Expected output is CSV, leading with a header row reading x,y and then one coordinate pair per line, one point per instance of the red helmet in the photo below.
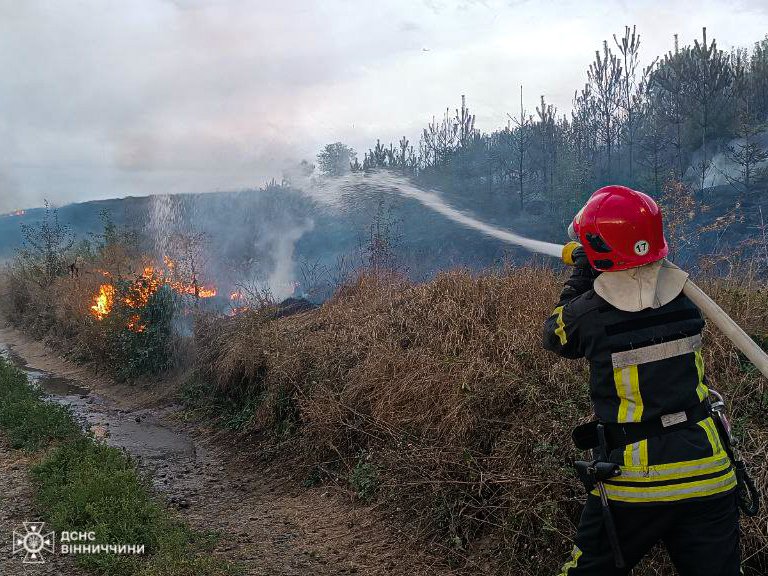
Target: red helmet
x,y
620,228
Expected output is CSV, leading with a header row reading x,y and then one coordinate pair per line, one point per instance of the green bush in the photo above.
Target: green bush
x,y
146,351
231,408
364,478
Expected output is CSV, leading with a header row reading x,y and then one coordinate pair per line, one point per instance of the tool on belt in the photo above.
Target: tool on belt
x,y
592,475
603,437
748,496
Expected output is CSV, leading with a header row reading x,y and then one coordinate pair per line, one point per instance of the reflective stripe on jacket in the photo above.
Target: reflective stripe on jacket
x,y
644,365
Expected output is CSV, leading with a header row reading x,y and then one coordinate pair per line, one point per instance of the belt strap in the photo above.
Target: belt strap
x,y
619,435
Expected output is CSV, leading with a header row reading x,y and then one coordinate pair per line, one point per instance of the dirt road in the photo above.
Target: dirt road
x,y
267,522
16,507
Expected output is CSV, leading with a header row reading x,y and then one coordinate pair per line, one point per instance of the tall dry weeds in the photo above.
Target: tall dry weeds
x,y
437,398
444,390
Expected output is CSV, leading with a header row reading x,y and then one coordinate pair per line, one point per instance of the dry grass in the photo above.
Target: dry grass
x,y
437,400
58,312
442,386
444,390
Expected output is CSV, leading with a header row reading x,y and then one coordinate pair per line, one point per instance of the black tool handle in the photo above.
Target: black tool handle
x,y
613,537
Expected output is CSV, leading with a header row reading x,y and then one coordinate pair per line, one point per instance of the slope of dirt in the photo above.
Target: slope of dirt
x,y
265,520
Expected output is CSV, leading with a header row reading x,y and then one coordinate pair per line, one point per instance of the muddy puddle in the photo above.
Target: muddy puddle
x,y
167,455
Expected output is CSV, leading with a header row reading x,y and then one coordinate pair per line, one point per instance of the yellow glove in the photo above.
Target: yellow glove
x,y
568,251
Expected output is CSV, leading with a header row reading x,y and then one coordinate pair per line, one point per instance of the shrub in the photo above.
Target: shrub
x,y
140,339
364,477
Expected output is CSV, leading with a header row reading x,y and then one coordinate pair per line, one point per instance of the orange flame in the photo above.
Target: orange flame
x,y
190,288
102,302
237,303
138,294
135,325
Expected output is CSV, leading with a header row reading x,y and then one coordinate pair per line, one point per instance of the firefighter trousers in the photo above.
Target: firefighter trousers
x,y
701,536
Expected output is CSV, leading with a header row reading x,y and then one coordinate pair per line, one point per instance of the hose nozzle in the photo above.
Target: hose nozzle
x,y
567,254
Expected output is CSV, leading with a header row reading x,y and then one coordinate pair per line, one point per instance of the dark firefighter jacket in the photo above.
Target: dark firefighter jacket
x,y
644,365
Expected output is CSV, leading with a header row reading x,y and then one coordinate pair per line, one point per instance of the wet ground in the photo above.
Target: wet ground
x,y
167,455
267,522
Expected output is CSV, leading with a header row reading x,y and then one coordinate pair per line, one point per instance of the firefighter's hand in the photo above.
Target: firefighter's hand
x,y
574,255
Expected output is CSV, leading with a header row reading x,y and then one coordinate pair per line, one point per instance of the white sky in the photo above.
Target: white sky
x,y
106,98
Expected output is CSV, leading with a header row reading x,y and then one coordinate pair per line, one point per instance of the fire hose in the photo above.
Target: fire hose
x,y
710,309
718,316
749,498
594,473
727,326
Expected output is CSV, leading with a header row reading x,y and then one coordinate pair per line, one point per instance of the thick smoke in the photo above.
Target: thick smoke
x,y
243,239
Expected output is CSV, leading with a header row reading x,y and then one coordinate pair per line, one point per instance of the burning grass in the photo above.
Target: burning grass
x,y
438,401
137,294
116,311
434,401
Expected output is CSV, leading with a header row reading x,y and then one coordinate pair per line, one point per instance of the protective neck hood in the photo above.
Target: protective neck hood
x,y
649,286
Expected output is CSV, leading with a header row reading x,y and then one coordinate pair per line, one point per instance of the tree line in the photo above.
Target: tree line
x,y
641,126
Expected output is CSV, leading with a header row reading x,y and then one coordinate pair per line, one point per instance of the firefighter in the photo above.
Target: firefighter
x,y
666,474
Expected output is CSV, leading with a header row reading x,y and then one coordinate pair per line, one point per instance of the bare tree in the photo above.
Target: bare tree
x,y
45,247
522,135
186,261
383,239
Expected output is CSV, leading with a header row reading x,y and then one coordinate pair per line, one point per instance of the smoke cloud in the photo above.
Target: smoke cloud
x,y
107,99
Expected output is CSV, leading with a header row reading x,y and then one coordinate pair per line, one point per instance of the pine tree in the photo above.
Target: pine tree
x,y
521,140
604,76
629,48
746,152
707,72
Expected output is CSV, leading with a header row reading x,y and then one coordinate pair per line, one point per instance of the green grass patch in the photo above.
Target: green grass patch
x,y
82,485
29,422
364,478
85,486
230,409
